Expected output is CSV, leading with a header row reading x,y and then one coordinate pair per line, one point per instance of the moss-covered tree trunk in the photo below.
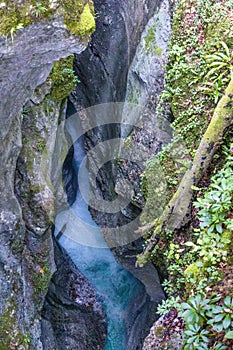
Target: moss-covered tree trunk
x,y
177,212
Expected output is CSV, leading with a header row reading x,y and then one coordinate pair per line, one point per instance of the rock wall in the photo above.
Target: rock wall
x,y
125,59
103,67
30,167
165,334
71,317
31,187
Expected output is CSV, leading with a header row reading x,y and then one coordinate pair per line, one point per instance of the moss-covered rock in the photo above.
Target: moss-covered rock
x,y
86,23
62,78
78,15
10,336
164,335
19,14
198,29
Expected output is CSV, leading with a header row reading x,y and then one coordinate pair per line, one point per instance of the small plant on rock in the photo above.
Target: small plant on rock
x,y
221,317
39,9
220,64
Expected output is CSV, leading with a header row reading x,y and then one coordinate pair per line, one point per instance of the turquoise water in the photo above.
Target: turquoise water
x,y
116,288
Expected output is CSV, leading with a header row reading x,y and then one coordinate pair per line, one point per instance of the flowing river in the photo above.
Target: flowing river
x,y
117,289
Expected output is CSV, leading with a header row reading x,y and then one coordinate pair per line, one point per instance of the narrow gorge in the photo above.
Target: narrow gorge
x,y
117,299
103,110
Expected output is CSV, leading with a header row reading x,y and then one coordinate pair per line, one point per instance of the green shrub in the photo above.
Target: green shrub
x,y
204,317
193,266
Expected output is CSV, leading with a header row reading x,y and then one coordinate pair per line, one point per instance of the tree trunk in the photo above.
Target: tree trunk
x,y
177,212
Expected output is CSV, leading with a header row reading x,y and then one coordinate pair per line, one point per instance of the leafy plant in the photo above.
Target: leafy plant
x,y
221,64
199,312
196,338
39,9
194,310
194,266
221,317
166,305
213,89
217,201
229,335
26,111
14,29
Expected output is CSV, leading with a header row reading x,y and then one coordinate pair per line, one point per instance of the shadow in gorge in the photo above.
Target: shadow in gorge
x,y
128,295
129,308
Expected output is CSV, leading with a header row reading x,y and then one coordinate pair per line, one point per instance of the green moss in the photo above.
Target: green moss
x,y
221,116
86,23
134,96
128,142
9,331
150,42
78,15
159,180
193,270
158,50
150,39
41,280
63,79
227,234
142,259
16,16
41,145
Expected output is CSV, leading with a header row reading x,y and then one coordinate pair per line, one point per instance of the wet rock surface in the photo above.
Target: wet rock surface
x,y
72,318
115,67
30,180
166,333
103,67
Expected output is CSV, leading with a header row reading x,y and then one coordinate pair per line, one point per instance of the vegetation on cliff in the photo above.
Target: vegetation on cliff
x,y
63,79
193,235
77,15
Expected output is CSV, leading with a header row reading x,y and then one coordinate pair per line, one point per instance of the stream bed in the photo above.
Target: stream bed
x,y
120,293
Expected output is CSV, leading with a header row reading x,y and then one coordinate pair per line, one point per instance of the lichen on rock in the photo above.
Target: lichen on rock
x,y
10,335
164,334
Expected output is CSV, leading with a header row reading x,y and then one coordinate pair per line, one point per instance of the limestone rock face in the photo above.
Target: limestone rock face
x,y
122,63
31,186
125,60
146,76
26,63
103,67
145,83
